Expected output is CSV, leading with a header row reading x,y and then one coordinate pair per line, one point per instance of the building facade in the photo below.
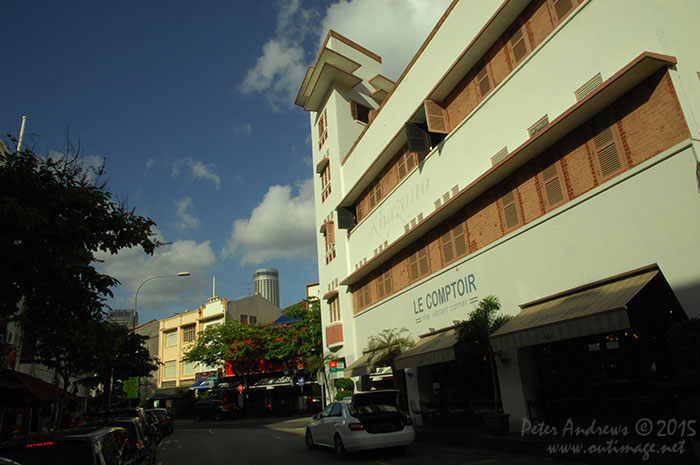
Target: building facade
x,y
544,152
266,282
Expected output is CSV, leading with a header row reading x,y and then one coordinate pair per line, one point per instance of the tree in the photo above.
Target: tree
x,y
55,215
297,343
473,338
384,347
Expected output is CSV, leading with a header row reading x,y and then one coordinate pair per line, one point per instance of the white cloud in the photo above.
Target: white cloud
x,y
132,266
281,226
197,170
396,40
246,129
183,211
393,29
150,163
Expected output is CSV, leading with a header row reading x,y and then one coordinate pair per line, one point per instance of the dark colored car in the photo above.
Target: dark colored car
x,y
139,449
166,423
214,409
149,427
87,445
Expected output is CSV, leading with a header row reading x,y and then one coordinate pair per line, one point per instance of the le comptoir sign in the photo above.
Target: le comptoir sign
x,y
444,299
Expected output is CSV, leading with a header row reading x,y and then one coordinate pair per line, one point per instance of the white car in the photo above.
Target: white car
x,y
368,420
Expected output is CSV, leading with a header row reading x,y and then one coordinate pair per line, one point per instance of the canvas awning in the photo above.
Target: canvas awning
x,y
431,349
20,389
594,309
359,367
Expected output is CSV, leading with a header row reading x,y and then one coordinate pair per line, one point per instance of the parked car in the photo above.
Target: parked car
x,y
214,409
4,461
88,445
150,428
139,449
368,420
166,423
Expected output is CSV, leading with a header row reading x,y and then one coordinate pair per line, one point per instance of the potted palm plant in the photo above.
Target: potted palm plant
x,y
473,340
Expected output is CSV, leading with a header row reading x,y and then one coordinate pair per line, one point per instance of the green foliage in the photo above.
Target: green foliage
x,y
384,347
344,388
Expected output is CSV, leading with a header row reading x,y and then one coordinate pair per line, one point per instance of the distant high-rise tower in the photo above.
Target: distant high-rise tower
x,y
266,282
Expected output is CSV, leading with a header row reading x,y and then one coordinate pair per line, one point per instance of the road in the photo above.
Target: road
x,y
281,442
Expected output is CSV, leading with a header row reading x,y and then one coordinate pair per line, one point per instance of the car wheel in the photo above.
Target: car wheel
x,y
339,447
309,439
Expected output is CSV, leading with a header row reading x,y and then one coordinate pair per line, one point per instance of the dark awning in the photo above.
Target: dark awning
x,y
431,349
18,389
169,393
595,309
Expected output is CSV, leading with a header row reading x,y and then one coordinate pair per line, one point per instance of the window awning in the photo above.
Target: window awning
x,y
595,309
434,348
359,367
204,384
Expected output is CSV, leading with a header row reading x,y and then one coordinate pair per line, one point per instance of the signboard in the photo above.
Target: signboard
x,y
240,388
300,381
336,366
131,387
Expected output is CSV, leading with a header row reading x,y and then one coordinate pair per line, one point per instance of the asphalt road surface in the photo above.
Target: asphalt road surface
x,y
281,442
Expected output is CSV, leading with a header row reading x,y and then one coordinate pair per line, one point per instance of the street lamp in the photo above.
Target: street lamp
x,y
136,296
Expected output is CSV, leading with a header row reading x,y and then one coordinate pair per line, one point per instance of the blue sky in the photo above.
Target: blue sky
x,y
190,106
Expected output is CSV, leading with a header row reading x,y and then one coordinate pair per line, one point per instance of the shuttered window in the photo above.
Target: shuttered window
x,y
418,264
375,195
334,309
483,80
561,8
454,243
384,287
509,208
518,45
552,181
330,241
436,117
363,297
359,112
608,157
406,162
322,129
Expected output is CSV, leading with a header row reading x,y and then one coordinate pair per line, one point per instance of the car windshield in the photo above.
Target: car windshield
x,y
51,452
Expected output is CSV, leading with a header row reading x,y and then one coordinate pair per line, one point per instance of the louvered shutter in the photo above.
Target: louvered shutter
x,y
562,8
607,154
436,117
518,45
353,109
417,138
423,266
483,80
447,252
413,267
330,233
346,220
510,209
553,192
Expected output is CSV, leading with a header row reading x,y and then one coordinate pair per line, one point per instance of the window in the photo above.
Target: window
x,y
363,297
509,208
407,161
189,333
252,319
334,308
551,178
326,182
454,243
359,112
518,45
561,8
436,117
244,319
322,129
384,284
330,241
418,264
375,194
188,368
170,338
604,143
483,79
169,369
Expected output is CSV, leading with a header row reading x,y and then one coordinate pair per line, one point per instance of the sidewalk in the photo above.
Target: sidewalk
x,y
455,435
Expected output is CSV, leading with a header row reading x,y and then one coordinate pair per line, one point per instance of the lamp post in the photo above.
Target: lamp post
x,y
136,296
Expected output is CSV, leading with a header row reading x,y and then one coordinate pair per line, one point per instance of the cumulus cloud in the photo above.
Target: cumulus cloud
x,y
280,68
197,170
132,266
183,209
396,40
281,226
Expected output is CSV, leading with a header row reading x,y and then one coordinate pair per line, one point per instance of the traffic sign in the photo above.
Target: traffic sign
x,y
300,381
240,388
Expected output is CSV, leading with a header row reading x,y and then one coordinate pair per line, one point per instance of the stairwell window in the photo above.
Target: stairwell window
x,y
330,241
326,182
359,112
334,309
322,129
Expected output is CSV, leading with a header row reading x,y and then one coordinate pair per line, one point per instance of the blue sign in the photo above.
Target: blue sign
x,y
300,381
